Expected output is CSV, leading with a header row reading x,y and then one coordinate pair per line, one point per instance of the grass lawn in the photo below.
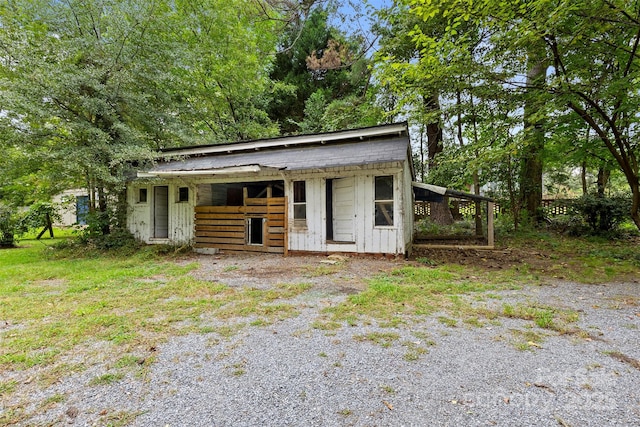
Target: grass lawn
x,y
50,303
55,304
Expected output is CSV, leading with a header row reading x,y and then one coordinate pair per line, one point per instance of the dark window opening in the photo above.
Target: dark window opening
x,y
261,190
234,196
233,193
142,195
183,194
255,231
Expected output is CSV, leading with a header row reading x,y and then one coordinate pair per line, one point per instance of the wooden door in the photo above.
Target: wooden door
x,y
161,212
343,204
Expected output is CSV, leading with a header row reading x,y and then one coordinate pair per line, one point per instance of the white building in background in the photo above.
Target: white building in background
x,y
73,207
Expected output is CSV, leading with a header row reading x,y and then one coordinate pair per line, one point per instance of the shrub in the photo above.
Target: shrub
x,y
36,216
601,214
101,233
10,226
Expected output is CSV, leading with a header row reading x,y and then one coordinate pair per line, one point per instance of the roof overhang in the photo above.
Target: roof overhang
x,y
201,172
443,191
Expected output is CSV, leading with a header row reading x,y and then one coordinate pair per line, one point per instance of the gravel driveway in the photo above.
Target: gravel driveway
x,y
292,374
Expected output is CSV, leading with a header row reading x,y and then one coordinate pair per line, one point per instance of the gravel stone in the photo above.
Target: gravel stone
x,y
290,374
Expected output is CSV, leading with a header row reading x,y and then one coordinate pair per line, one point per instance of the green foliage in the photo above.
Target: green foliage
x,y
427,227
92,237
90,88
517,89
10,226
602,214
36,216
318,65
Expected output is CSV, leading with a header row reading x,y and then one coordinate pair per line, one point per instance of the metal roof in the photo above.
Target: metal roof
x,y
291,140
350,151
422,191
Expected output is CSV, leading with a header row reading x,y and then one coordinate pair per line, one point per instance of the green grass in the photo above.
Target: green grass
x,y
7,387
413,291
383,339
107,379
584,259
57,303
544,317
53,302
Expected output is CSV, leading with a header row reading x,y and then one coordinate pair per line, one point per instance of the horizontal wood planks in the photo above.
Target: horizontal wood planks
x,y
225,227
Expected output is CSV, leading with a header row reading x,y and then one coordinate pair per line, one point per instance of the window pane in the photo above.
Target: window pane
x,y
384,213
384,187
183,194
299,192
300,211
142,197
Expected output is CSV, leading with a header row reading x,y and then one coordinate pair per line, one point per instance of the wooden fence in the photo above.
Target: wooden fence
x,y
467,208
230,227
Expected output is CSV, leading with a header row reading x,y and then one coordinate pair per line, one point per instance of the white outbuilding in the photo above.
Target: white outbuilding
x,y
348,191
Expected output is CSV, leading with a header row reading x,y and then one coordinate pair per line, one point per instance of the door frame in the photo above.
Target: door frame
x,y
157,202
330,202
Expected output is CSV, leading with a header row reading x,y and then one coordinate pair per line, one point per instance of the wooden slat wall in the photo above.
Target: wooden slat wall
x,y
224,227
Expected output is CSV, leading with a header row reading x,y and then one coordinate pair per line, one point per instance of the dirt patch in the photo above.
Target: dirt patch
x,y
342,275
495,259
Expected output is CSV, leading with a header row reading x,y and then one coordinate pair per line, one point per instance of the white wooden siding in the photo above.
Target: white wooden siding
x,y
180,214
310,236
66,202
367,237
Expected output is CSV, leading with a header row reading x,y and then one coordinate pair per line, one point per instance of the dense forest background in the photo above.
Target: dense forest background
x,y
518,100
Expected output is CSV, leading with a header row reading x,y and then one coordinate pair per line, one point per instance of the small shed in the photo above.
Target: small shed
x,y
348,191
471,218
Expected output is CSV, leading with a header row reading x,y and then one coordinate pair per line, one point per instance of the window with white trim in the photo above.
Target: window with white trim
x,y
300,202
384,201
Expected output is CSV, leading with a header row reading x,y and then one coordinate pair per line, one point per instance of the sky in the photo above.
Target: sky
x,y
356,17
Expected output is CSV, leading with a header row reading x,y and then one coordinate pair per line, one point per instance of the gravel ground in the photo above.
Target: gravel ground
x,y
290,374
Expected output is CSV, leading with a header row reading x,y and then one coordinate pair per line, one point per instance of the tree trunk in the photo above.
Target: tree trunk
x,y
102,211
635,204
434,130
603,179
422,173
583,178
531,171
121,209
478,214
440,213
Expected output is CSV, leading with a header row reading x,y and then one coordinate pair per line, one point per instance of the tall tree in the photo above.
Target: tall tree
x,y
591,46
90,87
534,134
318,64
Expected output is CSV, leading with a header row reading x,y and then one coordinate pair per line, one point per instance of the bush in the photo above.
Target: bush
x,y
602,215
427,227
36,217
101,233
10,226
